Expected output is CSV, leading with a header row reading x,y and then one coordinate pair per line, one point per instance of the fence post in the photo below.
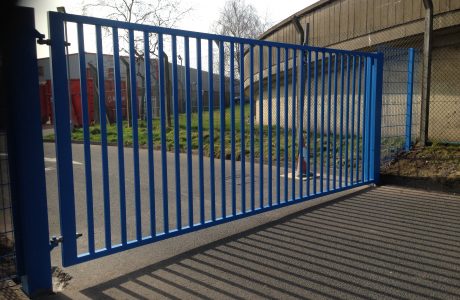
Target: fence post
x,y
410,88
26,155
377,81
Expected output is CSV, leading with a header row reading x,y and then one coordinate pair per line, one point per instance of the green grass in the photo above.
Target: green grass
x,y
112,136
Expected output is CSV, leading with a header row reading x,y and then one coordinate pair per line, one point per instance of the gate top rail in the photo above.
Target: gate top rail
x,y
198,35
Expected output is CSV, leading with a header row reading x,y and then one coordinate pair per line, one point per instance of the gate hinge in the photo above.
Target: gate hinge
x,y
56,240
42,41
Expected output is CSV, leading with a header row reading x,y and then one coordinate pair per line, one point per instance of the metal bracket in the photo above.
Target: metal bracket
x,y
55,241
42,41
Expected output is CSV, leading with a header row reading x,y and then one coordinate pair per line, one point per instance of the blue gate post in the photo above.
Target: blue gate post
x,y
28,185
410,87
376,114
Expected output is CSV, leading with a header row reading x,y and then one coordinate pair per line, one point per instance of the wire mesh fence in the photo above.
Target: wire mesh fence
x,y
7,239
444,109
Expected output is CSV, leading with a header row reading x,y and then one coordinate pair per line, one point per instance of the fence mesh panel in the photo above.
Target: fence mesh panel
x,y
7,250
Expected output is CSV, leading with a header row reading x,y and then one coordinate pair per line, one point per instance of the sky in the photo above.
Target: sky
x,y
201,18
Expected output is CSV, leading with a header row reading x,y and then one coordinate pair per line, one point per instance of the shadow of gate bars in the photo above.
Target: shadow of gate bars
x,y
333,126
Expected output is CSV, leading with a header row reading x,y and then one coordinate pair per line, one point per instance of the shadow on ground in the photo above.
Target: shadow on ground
x,y
384,242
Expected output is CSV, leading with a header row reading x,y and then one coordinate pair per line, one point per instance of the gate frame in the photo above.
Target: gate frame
x,y
63,142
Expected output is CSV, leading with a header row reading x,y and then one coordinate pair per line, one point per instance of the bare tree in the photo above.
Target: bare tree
x,y
163,13
239,19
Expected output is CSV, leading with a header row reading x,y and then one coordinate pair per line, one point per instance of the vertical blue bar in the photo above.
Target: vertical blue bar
x,y
328,147
278,123
261,127
86,138
367,110
308,121
342,75
293,129
321,167
242,132
286,119
148,98
105,163
175,94
134,108
211,130
120,144
363,144
270,133
377,70
200,129
222,127
315,123
410,88
352,149
164,168
347,113
251,122
232,124
301,116
358,137
334,156
63,141
188,112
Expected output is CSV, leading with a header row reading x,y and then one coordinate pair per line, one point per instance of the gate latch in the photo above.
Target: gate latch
x,y
42,41
56,240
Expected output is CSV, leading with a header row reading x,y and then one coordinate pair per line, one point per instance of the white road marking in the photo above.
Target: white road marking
x,y
53,159
49,169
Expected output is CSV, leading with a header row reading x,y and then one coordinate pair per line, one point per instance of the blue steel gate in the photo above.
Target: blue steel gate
x,y
316,112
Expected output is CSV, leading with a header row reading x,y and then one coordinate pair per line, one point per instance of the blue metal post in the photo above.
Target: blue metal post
x,y
293,123
164,168
358,143
301,117
367,119
148,98
134,109
62,140
175,94
328,147
353,120
308,121
200,129
321,138
410,87
278,121
251,123
121,155
25,153
377,120
104,152
222,129
286,119
211,130
242,132
347,123
270,131
261,127
334,156
188,112
232,125
315,122
86,138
